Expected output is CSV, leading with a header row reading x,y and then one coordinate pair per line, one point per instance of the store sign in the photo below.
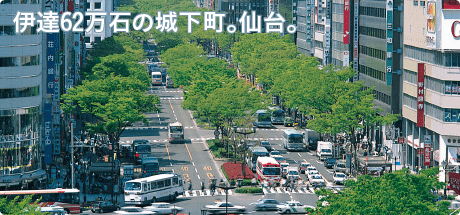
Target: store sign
x,y
431,25
454,181
346,58
421,95
389,55
48,134
355,39
450,4
346,22
420,151
52,55
401,140
427,156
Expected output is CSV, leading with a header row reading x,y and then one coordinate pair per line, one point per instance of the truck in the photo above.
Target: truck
x,y
258,151
324,150
311,139
150,166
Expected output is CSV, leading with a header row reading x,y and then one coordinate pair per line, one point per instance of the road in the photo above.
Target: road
x,y
193,161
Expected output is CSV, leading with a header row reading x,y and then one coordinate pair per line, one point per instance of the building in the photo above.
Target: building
x,y
99,6
431,100
21,91
233,9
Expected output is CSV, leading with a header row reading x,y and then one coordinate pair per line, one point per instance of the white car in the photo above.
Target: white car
x,y
133,210
162,208
220,207
309,169
274,152
317,180
292,173
293,207
313,172
339,178
279,158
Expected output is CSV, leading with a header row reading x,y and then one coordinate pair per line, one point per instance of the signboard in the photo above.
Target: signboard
x,y
420,151
431,25
312,21
327,41
421,95
427,156
401,140
355,38
451,4
454,181
346,22
389,54
346,58
454,155
52,47
48,133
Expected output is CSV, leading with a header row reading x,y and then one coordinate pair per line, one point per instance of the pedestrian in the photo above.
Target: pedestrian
x,y
292,186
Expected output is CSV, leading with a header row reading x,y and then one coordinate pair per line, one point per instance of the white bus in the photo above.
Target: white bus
x,y
292,140
268,169
157,78
143,191
175,132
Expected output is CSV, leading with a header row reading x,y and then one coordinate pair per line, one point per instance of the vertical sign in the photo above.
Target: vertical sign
x,y
421,95
327,40
312,50
355,38
346,58
52,44
389,57
427,157
431,25
48,133
346,22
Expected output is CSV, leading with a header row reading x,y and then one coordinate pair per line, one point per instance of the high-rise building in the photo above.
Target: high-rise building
x,y
106,6
21,90
431,93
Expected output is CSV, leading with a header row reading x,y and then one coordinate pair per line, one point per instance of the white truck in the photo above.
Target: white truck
x,y
324,150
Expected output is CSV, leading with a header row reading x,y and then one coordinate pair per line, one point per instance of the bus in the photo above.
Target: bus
x,y
157,78
175,132
268,169
256,152
277,116
263,119
69,199
143,191
150,166
292,140
141,148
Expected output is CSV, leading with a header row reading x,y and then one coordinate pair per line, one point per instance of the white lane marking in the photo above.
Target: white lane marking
x,y
278,190
310,153
265,190
288,152
193,163
299,154
295,161
230,192
208,192
173,170
196,170
319,162
187,194
194,193
170,163
199,177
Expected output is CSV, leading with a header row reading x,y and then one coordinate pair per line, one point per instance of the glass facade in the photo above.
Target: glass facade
x,y
19,140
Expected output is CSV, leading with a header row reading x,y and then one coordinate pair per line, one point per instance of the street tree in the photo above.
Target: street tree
x,y
16,206
396,193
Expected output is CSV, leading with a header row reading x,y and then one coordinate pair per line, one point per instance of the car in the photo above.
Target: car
x,y
310,168
266,204
311,173
288,122
317,180
340,166
279,158
303,166
220,207
329,163
339,177
267,145
284,171
133,210
103,207
274,152
292,173
291,207
162,208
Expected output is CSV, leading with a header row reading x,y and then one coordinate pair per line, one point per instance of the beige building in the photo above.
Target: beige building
x,y
432,47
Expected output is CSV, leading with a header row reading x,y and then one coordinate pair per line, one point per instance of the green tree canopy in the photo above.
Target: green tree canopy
x,y
15,206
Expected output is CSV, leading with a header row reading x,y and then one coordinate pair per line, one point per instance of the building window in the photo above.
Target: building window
x,y
97,39
422,3
20,2
372,11
373,32
87,39
376,53
97,5
19,92
88,5
415,3
380,75
20,61
9,30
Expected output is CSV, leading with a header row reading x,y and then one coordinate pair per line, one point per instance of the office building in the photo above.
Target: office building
x,y
99,6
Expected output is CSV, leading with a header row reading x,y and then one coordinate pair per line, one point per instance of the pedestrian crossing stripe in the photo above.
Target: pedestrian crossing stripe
x,y
265,138
206,192
302,190
151,127
176,98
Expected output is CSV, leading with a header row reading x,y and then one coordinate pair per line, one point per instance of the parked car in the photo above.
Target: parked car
x,y
317,180
339,177
303,166
266,204
102,207
133,210
288,122
162,208
329,163
293,207
292,173
340,166
274,152
220,207
310,168
267,145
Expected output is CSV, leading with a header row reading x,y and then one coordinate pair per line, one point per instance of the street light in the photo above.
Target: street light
x,y
245,133
445,165
226,188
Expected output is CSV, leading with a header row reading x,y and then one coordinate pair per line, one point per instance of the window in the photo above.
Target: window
x,y
88,5
19,92
422,3
167,182
372,11
20,61
160,184
376,53
97,39
373,32
87,39
175,181
377,74
97,5
415,3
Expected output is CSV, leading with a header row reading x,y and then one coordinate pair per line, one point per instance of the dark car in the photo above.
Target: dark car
x,y
266,145
102,207
329,163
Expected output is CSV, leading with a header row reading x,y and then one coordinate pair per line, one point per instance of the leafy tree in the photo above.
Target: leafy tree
x,y
394,193
19,207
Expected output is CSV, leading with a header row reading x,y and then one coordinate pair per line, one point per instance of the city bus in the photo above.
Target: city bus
x,y
263,119
157,78
175,132
268,169
292,140
277,116
141,148
69,199
143,191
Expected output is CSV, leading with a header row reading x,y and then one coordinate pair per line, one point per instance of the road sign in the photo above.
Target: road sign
x,y
401,140
216,133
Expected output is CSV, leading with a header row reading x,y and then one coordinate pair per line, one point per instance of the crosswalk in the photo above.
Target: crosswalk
x,y
175,98
153,127
205,192
220,192
301,190
255,138
165,140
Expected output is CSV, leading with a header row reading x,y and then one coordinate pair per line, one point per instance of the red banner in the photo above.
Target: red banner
x,y
346,21
427,156
450,4
454,181
421,95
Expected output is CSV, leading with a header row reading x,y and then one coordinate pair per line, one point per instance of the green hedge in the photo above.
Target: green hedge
x,y
249,190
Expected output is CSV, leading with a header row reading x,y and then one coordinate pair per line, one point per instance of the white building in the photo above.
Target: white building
x,y
99,6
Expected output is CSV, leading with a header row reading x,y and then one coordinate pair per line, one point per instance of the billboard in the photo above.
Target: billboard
x,y
421,95
454,155
52,55
450,4
355,39
454,181
427,154
346,58
431,25
389,54
346,22
48,133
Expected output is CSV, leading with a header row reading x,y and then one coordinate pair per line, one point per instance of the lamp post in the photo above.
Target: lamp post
x,y
445,165
245,133
226,188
